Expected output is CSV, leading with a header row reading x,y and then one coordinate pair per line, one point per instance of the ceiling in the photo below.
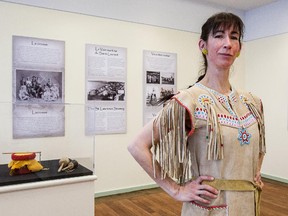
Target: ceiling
x,y
239,4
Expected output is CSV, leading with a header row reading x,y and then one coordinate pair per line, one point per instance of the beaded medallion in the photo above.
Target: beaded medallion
x,y
244,136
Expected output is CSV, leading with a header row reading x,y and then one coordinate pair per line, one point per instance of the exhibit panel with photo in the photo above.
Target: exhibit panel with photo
x,y
38,87
105,89
159,69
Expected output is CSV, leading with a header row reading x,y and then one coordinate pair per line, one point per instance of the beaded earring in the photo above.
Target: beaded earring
x,y
204,51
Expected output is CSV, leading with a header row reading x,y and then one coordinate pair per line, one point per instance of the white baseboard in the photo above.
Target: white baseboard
x,y
125,190
274,178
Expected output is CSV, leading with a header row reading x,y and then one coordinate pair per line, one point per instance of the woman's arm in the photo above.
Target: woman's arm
x,y
140,148
257,178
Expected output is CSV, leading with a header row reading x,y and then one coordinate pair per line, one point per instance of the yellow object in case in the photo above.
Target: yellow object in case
x,y
22,166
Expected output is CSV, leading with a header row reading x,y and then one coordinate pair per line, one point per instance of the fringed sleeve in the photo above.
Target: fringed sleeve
x,y
170,149
256,108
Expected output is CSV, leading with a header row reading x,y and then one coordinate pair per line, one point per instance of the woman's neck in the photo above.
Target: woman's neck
x,y
218,81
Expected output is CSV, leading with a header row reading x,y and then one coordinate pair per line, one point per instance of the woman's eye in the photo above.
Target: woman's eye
x,y
234,38
218,36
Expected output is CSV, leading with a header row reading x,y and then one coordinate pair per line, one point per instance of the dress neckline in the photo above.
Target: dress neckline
x,y
230,95
226,100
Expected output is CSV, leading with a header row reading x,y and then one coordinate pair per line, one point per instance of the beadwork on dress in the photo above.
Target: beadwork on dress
x,y
203,99
244,136
228,120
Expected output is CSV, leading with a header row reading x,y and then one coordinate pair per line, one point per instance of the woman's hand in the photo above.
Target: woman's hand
x,y
196,191
258,180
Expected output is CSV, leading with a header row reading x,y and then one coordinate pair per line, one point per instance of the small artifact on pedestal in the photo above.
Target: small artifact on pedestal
x,y
67,165
63,162
23,163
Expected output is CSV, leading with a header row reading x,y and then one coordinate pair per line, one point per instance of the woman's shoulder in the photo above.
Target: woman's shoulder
x,y
192,92
250,97
189,96
184,98
248,94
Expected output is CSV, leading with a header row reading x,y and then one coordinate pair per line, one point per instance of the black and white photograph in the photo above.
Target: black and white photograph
x,y
167,78
165,91
152,95
106,91
152,77
38,86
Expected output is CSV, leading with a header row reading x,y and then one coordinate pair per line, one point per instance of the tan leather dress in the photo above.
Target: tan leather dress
x,y
223,138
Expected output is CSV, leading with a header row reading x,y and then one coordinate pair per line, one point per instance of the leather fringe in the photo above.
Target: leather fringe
x,y
171,149
259,116
214,138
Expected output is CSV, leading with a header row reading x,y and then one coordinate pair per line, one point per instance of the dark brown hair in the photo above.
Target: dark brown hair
x,y
216,22
213,24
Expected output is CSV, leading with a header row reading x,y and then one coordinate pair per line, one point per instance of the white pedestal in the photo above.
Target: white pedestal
x,y
65,197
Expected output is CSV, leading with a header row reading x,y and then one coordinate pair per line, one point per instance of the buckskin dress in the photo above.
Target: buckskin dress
x,y
202,132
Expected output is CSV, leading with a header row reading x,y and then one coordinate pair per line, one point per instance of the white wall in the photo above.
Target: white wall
x,y
266,74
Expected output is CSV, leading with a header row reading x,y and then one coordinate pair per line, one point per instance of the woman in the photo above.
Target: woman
x,y
208,140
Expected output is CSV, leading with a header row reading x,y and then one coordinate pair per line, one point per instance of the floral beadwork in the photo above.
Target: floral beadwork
x,y
244,136
203,99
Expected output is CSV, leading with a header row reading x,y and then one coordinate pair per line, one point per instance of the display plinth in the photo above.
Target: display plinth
x,y
68,196
47,192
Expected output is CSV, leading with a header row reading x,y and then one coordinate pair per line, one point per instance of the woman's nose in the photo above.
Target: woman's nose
x,y
227,42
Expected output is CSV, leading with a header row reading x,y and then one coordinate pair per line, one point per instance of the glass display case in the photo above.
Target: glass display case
x,y
49,133
52,132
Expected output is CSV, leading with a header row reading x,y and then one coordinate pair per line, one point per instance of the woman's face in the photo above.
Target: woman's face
x,y
223,47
